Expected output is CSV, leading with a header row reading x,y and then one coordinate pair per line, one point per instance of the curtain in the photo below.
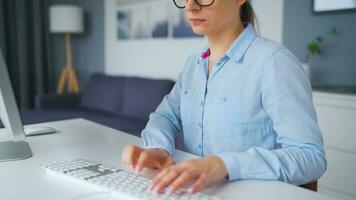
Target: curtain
x,y
24,39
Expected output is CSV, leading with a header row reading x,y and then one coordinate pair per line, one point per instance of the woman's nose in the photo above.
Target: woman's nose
x,y
191,5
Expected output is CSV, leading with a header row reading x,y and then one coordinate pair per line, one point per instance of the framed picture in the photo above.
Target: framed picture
x,y
322,6
123,24
158,20
139,25
151,20
181,27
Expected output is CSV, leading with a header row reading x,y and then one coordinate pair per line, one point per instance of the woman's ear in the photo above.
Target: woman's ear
x,y
240,2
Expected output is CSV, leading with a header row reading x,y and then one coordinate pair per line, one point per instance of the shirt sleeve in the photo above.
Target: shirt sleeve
x,y
165,123
287,99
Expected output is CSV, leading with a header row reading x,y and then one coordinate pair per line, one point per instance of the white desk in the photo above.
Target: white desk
x,y
80,138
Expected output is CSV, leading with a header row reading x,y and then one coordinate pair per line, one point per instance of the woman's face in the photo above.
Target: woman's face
x,y
214,19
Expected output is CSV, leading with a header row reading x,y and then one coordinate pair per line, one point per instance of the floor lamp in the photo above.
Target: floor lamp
x,y
67,19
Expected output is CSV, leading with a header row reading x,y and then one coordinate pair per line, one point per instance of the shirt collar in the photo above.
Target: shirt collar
x,y
239,46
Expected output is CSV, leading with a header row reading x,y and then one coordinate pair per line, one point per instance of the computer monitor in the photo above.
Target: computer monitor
x,y
14,148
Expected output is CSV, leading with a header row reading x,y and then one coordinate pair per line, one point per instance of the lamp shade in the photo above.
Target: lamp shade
x,y
66,19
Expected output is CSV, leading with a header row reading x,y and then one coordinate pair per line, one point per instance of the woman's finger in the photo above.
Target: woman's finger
x,y
142,161
156,179
129,155
182,180
199,184
167,179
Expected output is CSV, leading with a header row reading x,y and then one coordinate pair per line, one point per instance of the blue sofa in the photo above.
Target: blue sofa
x,y
119,102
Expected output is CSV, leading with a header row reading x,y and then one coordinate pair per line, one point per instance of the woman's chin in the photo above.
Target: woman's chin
x,y
199,32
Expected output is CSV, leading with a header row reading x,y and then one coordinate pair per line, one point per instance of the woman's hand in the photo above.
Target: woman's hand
x,y
138,158
202,171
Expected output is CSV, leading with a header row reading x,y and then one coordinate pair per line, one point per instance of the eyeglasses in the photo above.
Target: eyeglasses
x,y
182,3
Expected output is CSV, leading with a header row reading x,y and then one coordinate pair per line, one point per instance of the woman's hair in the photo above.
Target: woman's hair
x,y
247,14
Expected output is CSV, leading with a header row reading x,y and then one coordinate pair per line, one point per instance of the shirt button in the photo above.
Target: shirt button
x,y
199,146
200,125
202,103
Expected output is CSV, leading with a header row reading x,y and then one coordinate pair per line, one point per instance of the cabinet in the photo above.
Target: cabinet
x,y
337,120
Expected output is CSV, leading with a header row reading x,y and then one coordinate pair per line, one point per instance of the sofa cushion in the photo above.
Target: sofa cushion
x,y
103,93
141,96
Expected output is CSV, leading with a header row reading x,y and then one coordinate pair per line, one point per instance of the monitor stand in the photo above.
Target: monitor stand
x,y
9,115
14,150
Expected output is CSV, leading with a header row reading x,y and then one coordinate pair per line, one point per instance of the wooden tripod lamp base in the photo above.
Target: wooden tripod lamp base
x,y
68,74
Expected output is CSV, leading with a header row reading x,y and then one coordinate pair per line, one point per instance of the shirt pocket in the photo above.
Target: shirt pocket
x,y
186,105
224,109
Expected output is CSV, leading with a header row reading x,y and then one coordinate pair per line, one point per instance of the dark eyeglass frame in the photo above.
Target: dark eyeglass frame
x,y
196,1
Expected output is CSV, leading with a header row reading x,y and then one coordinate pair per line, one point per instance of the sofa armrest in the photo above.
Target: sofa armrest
x,y
53,101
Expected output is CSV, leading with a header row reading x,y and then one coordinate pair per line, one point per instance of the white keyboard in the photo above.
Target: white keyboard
x,y
120,183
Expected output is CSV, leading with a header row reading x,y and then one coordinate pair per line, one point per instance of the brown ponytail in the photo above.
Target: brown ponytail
x,y
247,14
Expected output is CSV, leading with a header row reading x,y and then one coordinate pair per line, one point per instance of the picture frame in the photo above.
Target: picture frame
x,y
333,6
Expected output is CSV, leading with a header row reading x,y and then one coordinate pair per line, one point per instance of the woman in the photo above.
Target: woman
x,y
243,104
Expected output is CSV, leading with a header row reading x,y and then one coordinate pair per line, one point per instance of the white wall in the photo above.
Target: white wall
x,y
165,58
270,18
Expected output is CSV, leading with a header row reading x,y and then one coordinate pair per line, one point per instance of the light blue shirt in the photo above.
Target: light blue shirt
x,y
254,111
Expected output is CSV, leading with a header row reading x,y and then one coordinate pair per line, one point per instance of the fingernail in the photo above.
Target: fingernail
x,y
150,186
156,189
190,190
137,170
